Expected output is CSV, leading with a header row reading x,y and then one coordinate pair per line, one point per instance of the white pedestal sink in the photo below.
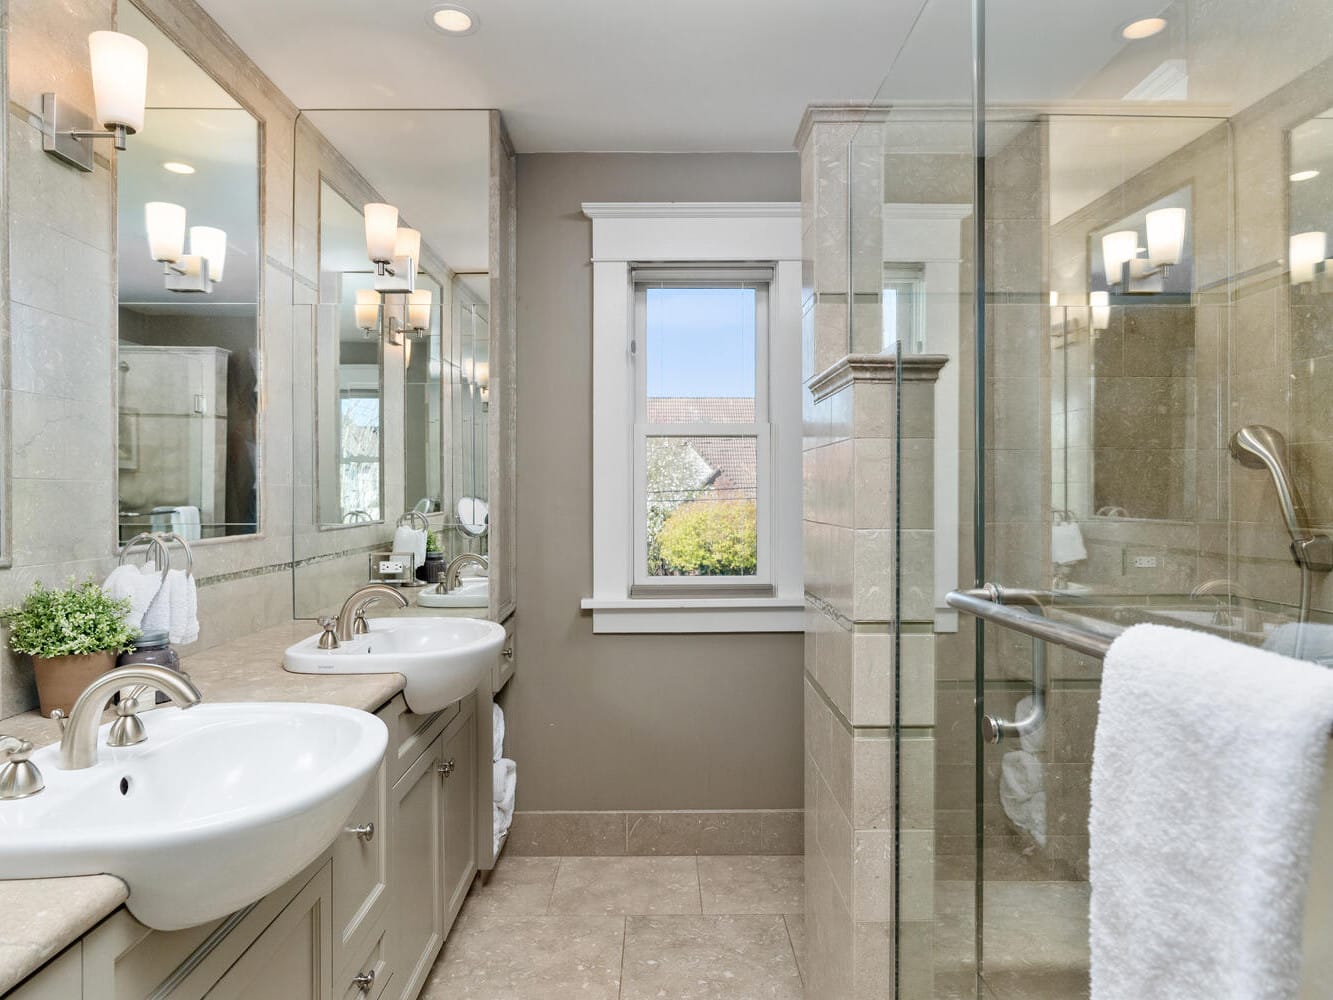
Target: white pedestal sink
x,y
442,659
473,592
220,806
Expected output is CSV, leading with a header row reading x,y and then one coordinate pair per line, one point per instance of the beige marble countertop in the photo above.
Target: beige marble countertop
x,y
44,916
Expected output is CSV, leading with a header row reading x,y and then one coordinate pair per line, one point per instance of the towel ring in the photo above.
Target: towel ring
x,y
156,548
412,517
166,538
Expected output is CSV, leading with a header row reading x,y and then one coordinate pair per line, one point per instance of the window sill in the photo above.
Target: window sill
x,y
695,614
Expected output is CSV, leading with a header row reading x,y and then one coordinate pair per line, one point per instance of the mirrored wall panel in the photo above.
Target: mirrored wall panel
x,y
187,387
470,375
424,368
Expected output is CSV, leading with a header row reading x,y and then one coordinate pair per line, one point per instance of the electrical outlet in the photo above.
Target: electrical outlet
x,y
1145,562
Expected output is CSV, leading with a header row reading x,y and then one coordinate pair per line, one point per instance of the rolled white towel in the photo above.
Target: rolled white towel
x,y
157,610
500,827
1023,793
186,523
497,732
504,774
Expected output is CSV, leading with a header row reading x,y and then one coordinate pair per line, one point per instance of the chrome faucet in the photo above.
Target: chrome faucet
x,y
78,740
352,618
453,573
1224,591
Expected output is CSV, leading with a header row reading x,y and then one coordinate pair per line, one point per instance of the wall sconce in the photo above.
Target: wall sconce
x,y
418,310
367,310
393,250
199,270
1101,310
1166,237
120,87
1118,249
1306,256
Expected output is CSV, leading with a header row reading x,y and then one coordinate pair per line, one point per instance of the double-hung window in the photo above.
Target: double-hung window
x,y
696,418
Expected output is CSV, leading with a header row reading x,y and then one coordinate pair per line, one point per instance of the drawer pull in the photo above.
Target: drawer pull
x,y
447,768
365,832
364,981
507,652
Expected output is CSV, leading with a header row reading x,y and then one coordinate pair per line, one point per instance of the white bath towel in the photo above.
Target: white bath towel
x,y
132,584
504,775
1207,765
412,540
500,826
182,601
157,616
1023,780
185,522
497,732
1067,543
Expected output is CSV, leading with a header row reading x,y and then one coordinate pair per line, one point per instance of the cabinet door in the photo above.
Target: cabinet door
x,y
62,979
293,958
460,813
361,871
417,878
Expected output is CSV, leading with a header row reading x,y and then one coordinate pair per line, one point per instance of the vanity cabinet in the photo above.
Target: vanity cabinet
x,y
364,921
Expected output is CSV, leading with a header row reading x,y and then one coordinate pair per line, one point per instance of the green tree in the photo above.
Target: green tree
x,y
718,538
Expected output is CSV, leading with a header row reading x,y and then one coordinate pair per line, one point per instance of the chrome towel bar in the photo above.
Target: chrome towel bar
x,y
996,604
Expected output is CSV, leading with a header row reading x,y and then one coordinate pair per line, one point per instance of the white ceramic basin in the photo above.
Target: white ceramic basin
x,y
474,592
442,659
221,805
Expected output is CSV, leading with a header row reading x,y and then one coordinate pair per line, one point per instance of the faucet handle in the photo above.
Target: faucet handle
x,y
19,777
127,730
59,717
329,640
15,748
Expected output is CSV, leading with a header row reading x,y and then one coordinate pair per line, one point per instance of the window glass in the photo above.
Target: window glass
x,y
702,504
700,354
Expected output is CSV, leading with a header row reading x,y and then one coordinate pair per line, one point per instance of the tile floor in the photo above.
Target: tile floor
x,y
668,928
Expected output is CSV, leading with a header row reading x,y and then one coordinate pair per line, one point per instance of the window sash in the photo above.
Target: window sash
x,y
643,277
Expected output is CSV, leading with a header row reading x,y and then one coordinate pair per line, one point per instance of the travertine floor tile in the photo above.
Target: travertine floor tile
x,y
625,886
745,957
530,958
518,887
796,931
752,884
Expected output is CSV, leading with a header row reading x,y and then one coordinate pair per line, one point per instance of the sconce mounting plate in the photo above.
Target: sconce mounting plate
x,y
400,276
59,123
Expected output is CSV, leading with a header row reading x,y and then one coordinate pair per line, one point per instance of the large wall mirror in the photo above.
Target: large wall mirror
x,y
349,371
188,197
405,408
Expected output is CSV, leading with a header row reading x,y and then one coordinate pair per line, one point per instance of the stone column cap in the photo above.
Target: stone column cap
x,y
875,368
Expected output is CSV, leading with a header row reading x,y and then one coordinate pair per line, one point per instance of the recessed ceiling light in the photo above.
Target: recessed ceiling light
x,y
1304,175
1144,27
176,167
453,19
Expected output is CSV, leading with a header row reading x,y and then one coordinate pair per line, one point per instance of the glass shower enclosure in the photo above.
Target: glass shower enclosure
x,y
1112,220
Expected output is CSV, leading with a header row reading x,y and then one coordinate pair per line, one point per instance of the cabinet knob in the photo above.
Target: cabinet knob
x,y
366,831
507,652
364,981
447,768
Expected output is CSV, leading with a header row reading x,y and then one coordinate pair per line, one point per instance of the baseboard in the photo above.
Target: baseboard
x,y
628,834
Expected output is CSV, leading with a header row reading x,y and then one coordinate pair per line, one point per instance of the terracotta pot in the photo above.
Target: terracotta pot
x,y
61,679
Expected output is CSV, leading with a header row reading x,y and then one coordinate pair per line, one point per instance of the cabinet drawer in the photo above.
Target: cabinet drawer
x,y
504,667
410,734
361,869
373,963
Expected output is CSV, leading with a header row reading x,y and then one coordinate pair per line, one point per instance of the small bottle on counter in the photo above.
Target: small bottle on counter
x,y
153,648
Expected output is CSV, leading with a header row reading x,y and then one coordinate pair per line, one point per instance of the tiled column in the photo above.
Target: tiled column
x,y
869,628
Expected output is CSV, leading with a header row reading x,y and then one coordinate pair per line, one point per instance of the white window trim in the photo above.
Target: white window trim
x,y
626,233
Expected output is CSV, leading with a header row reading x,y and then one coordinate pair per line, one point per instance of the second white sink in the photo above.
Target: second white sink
x,y
442,659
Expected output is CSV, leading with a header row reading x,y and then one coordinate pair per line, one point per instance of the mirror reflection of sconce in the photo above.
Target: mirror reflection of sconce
x,y
120,87
1166,243
481,372
394,250
393,316
1101,310
199,270
1306,256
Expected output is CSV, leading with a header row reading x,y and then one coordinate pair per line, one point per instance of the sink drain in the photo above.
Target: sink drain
x,y
125,786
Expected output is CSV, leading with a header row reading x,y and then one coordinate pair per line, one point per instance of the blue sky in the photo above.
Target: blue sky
x,y
701,342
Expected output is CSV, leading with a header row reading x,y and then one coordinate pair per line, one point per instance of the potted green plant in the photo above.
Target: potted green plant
x,y
73,636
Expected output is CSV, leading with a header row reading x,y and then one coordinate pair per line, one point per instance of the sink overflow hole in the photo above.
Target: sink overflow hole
x,y
124,786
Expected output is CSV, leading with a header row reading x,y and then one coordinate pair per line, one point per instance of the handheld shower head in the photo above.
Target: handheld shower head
x,y
1257,446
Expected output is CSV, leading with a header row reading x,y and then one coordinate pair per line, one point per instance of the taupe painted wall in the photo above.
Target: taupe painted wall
x,y
623,722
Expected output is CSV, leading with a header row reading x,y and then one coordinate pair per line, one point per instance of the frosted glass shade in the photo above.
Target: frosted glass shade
x,y
1118,249
1307,250
418,309
1101,310
407,243
166,230
212,244
1166,235
367,308
381,231
120,79
482,370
